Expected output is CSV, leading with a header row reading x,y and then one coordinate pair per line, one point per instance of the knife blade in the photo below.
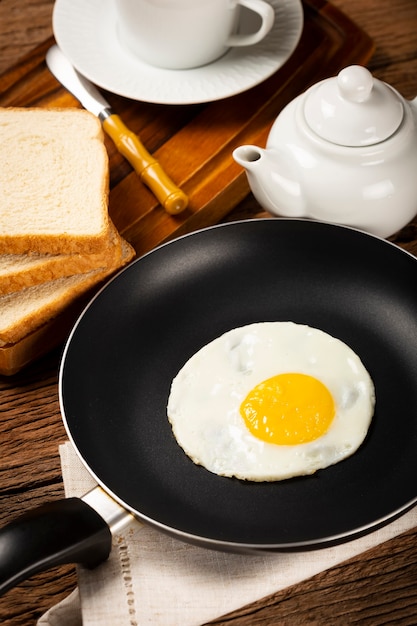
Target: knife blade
x,y
128,144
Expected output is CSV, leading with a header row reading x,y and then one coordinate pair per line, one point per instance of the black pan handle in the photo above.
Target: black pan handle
x,y
65,531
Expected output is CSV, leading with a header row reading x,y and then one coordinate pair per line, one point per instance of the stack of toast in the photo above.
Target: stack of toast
x,y
57,241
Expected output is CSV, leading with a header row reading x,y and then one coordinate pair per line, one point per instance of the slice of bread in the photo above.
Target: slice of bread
x,y
22,312
18,271
53,182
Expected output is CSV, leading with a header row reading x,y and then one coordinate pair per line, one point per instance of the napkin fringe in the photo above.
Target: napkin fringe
x,y
127,577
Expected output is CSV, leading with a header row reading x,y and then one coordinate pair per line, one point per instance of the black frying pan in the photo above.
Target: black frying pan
x,y
137,333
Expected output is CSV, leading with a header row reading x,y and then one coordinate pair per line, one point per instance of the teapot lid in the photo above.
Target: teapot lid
x,y
353,109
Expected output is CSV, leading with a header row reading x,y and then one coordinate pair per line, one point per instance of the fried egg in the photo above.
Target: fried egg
x,y
271,400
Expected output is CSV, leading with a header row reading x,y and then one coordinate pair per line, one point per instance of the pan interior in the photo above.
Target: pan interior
x,y
141,328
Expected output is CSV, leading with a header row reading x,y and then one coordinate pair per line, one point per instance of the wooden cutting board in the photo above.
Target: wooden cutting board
x,y
193,143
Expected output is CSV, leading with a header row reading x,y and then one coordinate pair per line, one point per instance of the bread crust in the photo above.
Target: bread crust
x,y
21,271
53,244
18,320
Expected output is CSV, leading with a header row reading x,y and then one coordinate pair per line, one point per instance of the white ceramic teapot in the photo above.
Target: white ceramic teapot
x,y
345,151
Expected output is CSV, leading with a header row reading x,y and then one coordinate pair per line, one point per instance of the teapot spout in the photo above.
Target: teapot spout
x,y
244,155
271,180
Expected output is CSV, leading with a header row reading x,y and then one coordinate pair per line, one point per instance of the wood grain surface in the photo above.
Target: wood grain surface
x,y
377,587
199,161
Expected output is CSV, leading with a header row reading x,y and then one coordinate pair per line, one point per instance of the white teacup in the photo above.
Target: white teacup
x,y
181,34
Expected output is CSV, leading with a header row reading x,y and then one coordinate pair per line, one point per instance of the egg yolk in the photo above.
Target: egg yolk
x,y
288,409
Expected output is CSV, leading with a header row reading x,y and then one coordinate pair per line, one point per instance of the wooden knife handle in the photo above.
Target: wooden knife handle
x,y
146,166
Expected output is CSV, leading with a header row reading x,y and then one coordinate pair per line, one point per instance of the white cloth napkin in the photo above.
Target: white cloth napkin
x,y
153,579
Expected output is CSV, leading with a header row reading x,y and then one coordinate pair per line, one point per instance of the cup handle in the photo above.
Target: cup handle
x,y
267,15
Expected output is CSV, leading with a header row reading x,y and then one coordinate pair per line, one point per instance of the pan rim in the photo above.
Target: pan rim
x,y
249,547
199,539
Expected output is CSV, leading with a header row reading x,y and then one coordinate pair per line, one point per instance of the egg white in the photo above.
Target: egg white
x,y
203,406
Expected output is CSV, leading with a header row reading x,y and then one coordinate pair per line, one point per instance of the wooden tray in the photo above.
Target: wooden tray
x,y
193,143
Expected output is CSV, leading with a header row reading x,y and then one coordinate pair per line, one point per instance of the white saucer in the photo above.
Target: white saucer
x,y
86,33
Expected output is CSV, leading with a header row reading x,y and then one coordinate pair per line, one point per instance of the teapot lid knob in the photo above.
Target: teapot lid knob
x,y
355,83
353,109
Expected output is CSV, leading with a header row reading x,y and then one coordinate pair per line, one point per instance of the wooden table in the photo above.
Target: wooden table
x,y
378,587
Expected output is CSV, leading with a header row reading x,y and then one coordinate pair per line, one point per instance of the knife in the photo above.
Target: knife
x,y
128,144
